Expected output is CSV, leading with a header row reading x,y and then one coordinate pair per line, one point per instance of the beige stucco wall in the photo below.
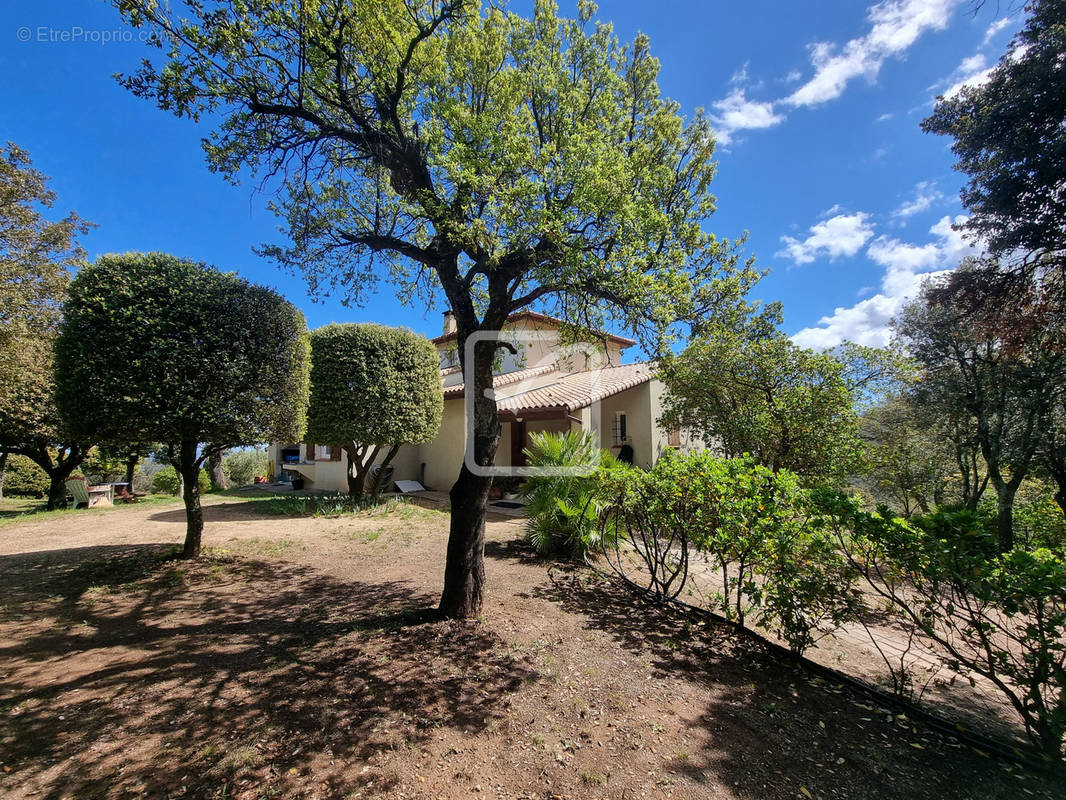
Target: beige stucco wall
x,y
640,433
543,348
332,476
444,455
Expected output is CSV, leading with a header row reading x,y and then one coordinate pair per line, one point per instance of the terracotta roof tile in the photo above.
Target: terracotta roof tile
x,y
544,318
578,389
456,390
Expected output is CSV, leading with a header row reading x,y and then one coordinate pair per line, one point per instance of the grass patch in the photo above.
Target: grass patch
x,y
15,510
331,505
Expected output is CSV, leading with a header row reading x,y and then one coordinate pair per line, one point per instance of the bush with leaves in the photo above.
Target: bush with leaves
x,y
809,590
21,477
564,508
749,523
244,466
648,541
167,481
1003,618
739,509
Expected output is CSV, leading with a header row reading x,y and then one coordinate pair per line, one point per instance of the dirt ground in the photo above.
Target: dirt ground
x,y
301,658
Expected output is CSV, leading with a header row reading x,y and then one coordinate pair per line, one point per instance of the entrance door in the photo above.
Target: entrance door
x,y
518,444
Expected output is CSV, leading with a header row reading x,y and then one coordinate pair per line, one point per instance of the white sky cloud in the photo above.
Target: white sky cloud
x,y
925,195
895,26
736,112
840,235
907,266
995,28
973,71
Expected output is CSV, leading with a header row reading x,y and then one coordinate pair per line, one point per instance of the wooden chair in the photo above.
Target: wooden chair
x,y
79,491
87,495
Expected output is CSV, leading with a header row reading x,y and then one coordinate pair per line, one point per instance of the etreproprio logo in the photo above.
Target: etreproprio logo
x,y
535,350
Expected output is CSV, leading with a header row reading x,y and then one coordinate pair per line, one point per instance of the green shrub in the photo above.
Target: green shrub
x,y
244,466
165,481
333,504
23,477
809,589
1038,520
970,532
751,525
1003,618
564,508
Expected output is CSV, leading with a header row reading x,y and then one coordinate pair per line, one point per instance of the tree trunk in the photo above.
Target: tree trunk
x,y
189,471
131,467
1057,475
356,470
1005,515
218,477
68,459
464,573
3,473
375,485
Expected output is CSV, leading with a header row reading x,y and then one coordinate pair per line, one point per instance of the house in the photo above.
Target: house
x,y
545,385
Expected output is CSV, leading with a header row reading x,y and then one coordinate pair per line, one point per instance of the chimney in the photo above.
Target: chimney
x,y
450,325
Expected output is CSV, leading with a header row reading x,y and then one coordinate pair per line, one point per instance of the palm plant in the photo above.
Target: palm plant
x,y
563,505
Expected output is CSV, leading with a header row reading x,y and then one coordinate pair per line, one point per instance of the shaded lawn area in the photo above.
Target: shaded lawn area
x,y
28,509
300,658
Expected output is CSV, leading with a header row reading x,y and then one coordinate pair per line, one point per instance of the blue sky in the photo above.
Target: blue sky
x,y
816,105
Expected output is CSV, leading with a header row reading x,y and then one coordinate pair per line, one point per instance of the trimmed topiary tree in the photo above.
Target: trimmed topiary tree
x,y
373,389
157,348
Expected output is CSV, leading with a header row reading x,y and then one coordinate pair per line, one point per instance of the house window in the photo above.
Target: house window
x,y
618,428
675,438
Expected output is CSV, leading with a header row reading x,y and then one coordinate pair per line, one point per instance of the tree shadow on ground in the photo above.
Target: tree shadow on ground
x,y
772,729
225,511
129,673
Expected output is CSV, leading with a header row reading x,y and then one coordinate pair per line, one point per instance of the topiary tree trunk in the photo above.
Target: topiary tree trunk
x,y
189,473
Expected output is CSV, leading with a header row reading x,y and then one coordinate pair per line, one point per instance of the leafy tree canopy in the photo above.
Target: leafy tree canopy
x,y
35,255
1010,138
372,387
788,407
1005,386
509,160
156,348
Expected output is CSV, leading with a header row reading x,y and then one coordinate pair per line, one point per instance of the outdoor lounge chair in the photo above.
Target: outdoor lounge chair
x,y
87,495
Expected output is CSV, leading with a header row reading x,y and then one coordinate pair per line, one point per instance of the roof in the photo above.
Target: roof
x,y
533,316
507,378
577,390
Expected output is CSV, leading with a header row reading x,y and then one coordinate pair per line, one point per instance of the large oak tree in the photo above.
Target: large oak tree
x,y
462,151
